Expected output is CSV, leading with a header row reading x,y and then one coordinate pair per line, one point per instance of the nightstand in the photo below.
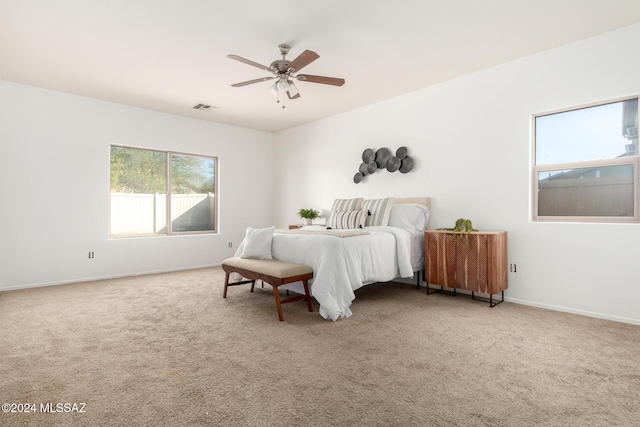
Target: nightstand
x,y
475,261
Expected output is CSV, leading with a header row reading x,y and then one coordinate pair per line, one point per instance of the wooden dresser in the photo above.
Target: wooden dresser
x,y
475,262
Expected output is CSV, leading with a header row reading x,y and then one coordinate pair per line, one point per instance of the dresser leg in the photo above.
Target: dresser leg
x,y
492,304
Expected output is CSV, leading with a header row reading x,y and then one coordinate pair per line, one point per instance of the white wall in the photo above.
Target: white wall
x,y
471,141
54,154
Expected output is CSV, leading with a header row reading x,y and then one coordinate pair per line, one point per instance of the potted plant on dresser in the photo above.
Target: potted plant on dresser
x,y
308,215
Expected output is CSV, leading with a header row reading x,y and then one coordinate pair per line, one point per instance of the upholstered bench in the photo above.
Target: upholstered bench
x,y
273,272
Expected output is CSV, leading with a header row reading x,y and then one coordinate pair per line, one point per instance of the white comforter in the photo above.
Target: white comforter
x,y
342,265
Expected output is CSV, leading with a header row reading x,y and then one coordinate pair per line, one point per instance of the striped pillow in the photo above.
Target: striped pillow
x,y
344,205
379,211
344,220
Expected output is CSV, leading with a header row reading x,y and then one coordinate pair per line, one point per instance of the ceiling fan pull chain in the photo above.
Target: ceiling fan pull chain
x,y
278,98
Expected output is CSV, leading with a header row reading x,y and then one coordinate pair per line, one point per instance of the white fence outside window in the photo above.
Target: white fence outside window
x,y
134,214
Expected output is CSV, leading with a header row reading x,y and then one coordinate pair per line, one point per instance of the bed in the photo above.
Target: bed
x,y
350,251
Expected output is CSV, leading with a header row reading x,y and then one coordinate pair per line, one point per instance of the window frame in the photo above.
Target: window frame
x,y
632,160
169,230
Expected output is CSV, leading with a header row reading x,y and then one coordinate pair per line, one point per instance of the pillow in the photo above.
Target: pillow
x,y
412,217
379,211
257,243
423,218
344,220
344,205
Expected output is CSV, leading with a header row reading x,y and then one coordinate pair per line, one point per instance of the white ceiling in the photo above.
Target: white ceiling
x,y
170,55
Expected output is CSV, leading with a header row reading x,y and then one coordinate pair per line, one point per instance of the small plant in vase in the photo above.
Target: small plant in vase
x,y
308,215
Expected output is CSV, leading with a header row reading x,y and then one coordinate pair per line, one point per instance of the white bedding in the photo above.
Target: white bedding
x,y
343,265
417,250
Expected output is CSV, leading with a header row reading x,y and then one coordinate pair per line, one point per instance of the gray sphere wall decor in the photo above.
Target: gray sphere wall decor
x,y
383,158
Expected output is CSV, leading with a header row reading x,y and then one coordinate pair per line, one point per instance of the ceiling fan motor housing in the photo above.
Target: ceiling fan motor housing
x,y
280,65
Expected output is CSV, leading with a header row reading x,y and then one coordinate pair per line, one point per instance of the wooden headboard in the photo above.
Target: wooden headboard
x,y
425,201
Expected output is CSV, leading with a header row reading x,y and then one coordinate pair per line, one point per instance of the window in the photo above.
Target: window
x,y
160,193
585,163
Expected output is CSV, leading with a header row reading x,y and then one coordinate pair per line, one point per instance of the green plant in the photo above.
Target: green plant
x,y
308,214
463,226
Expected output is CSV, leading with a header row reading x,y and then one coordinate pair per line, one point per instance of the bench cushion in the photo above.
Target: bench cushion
x,y
269,267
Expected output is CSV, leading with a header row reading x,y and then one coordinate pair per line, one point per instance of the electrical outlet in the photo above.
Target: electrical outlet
x,y
513,268
230,244
91,255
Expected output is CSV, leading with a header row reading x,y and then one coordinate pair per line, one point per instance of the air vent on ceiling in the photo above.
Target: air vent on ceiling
x,y
203,107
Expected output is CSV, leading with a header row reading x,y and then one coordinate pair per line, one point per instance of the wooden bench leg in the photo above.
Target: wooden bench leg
x,y
226,284
306,292
276,295
242,282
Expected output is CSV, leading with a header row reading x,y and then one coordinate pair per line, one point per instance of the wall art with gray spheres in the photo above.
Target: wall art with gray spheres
x,y
383,159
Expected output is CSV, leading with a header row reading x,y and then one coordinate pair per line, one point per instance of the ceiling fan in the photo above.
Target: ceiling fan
x,y
285,70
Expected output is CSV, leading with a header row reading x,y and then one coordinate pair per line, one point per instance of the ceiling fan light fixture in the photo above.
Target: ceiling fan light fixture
x,y
293,90
274,89
283,85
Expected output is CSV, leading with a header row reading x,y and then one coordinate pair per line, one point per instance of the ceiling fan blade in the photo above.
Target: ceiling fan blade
x,y
250,82
320,79
304,59
246,61
296,96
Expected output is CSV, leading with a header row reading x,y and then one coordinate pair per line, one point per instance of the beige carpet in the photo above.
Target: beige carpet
x,y
169,350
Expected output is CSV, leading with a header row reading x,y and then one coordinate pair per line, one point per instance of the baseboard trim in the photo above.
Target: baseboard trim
x,y
556,308
574,311
115,276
